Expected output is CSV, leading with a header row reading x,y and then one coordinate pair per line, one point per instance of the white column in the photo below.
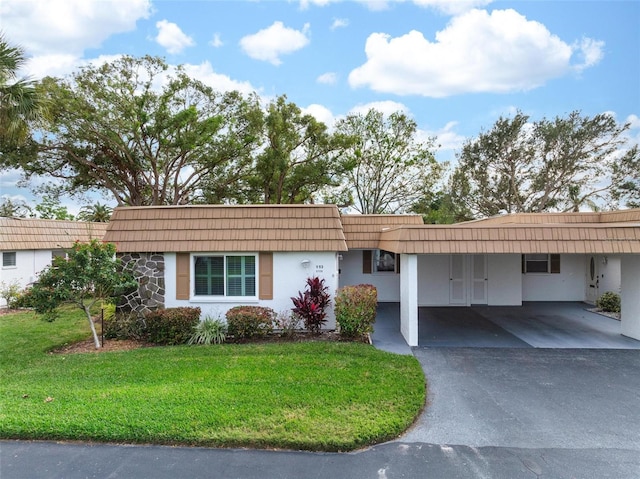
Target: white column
x,y
409,298
630,311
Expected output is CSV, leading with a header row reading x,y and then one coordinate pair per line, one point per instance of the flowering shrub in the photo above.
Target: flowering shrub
x,y
311,305
244,322
356,309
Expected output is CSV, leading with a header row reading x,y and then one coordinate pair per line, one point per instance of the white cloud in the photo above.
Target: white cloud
x,y
590,51
56,33
634,121
477,52
339,23
387,107
68,26
450,7
320,113
272,42
171,37
205,73
446,138
329,78
216,41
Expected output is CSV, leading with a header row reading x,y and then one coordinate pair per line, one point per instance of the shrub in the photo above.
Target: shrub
x,y
356,310
245,322
10,292
609,302
287,323
311,305
124,326
209,331
172,325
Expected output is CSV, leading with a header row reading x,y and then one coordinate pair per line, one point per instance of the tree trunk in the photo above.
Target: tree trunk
x,y
96,340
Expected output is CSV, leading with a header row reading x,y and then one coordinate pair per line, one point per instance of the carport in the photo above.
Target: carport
x,y
505,260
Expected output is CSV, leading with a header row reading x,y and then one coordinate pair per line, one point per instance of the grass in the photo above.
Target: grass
x,y
313,396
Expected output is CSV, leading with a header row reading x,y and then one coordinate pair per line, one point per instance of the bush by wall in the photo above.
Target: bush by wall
x,y
172,325
355,310
311,305
245,322
609,302
124,326
209,331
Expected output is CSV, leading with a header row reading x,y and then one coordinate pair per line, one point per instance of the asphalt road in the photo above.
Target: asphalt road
x,y
491,413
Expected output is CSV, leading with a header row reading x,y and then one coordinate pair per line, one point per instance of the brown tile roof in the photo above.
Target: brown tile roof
x,y
602,238
35,234
198,228
363,231
621,216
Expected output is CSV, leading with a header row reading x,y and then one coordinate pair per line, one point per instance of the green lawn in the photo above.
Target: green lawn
x,y
314,396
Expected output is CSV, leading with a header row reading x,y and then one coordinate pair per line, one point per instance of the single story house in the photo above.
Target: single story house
x,y
28,245
216,257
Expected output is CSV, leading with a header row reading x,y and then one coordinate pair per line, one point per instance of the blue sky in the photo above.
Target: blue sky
x,y
454,66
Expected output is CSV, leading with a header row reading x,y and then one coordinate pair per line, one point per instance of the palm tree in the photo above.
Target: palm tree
x,y
97,213
19,99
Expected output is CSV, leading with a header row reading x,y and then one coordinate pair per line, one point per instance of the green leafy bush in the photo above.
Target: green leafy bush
x,y
356,309
24,299
245,322
124,326
311,305
171,326
609,302
209,331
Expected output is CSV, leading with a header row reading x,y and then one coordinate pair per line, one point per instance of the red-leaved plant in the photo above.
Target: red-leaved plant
x,y
311,304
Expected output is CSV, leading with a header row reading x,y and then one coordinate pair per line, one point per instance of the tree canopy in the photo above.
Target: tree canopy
x,y
390,167
562,164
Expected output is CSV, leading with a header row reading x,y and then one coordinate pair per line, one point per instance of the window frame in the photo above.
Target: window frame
x,y
225,267
552,263
15,260
375,259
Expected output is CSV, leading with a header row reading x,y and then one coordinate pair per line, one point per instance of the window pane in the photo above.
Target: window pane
x,y
209,276
241,275
384,261
8,259
537,263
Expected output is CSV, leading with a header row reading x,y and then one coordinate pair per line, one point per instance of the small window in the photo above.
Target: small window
x,y
58,253
225,275
384,261
9,259
541,263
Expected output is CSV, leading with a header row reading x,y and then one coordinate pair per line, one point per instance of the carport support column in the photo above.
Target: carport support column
x,y
630,295
409,298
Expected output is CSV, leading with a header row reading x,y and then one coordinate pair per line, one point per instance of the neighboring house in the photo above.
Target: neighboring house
x,y
28,245
217,257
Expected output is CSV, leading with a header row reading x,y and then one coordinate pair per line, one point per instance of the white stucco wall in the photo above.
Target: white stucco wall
x,y
630,297
409,298
609,271
568,285
289,277
28,264
433,280
504,272
387,284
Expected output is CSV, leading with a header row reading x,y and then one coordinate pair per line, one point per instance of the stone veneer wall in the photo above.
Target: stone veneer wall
x,y
148,269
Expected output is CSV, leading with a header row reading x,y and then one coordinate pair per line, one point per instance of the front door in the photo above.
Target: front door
x,y
479,279
593,279
457,280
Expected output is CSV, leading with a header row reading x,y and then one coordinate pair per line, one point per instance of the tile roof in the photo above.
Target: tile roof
x,y
200,228
363,231
615,238
18,234
620,216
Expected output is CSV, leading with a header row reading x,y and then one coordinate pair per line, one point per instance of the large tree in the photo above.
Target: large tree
x,y
144,134
391,167
563,164
299,157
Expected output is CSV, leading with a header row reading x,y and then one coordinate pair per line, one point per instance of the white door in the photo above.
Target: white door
x,y
479,279
457,282
593,279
